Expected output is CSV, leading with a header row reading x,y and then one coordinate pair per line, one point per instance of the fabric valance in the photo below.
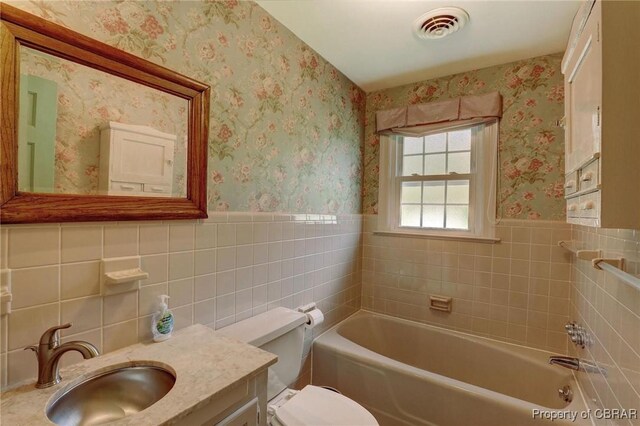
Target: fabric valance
x,y
457,111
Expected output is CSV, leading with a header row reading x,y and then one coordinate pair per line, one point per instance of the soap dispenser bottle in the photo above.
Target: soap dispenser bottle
x,y
162,320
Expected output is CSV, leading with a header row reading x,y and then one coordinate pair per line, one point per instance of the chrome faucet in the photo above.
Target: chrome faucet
x,y
49,351
577,364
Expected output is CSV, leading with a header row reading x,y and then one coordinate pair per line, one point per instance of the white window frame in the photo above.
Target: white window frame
x,y
482,186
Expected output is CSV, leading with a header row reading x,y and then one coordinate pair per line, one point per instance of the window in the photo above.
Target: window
x,y
439,183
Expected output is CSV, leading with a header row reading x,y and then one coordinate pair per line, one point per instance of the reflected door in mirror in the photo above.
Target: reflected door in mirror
x,y
37,133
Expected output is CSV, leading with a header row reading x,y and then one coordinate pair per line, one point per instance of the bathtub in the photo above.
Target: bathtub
x,y
407,373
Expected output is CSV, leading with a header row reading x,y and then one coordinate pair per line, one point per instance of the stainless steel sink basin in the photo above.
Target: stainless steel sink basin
x,y
111,395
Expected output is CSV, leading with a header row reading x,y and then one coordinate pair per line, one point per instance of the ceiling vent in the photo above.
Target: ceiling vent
x,y
441,22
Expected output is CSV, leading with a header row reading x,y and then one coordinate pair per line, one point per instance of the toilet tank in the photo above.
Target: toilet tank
x,y
279,331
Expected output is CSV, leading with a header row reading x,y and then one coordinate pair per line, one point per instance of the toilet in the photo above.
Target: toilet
x,y
281,332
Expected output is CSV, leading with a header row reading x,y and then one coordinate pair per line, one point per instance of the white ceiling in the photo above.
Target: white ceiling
x,y
372,41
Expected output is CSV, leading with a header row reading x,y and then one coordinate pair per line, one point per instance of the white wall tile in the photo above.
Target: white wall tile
x,y
225,306
206,235
27,325
244,233
181,237
182,316
120,241
204,287
204,312
225,258
120,307
226,235
120,335
225,282
79,279
84,313
204,262
260,232
260,253
34,286
33,246
148,298
181,292
157,266
252,278
154,239
181,265
81,243
4,249
244,256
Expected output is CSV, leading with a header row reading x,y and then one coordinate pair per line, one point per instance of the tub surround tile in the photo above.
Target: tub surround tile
x,y
497,288
610,310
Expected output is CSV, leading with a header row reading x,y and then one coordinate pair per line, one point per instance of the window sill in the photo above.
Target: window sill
x,y
470,239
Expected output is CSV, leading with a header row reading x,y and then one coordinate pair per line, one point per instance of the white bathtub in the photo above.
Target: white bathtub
x,y
407,373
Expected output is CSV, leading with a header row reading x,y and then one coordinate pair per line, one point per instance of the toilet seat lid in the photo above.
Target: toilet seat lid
x,y
317,406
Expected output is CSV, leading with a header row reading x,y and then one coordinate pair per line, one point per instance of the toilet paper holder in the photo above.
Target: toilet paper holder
x,y
307,309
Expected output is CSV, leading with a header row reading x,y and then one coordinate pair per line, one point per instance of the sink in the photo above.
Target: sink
x,y
110,395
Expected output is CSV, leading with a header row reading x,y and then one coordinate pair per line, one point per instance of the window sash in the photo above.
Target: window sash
x,y
398,179
482,185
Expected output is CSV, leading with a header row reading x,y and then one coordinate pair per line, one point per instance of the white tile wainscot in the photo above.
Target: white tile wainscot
x,y
217,271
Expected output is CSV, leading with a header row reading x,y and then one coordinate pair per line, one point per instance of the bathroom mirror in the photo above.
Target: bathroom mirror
x,y
91,133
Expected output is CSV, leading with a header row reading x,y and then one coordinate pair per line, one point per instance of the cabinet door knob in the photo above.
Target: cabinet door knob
x,y
589,205
570,184
587,177
572,207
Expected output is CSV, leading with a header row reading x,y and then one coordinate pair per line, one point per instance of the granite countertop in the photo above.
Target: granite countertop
x,y
206,365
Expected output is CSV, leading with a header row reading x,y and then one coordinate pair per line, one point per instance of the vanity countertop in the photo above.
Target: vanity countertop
x,y
206,365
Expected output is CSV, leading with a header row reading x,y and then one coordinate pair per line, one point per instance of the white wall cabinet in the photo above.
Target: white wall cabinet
x,y
601,70
135,160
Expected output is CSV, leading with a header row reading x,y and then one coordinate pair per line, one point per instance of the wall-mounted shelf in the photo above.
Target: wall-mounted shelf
x,y
128,275
614,265
121,274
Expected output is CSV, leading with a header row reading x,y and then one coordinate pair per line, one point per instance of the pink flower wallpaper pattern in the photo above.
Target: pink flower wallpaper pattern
x,y
286,128
531,145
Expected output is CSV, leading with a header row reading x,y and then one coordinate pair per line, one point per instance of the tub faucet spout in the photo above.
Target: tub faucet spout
x,y
577,364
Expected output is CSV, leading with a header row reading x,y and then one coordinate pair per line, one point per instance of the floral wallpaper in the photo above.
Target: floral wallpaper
x,y
531,146
87,99
286,128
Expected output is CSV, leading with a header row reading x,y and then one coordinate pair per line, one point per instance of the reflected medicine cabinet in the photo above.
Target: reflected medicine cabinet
x,y
135,160
20,29
602,116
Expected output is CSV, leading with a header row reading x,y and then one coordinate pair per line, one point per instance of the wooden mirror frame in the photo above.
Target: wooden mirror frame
x,y
21,28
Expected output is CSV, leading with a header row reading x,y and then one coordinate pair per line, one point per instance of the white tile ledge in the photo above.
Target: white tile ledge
x,y
484,240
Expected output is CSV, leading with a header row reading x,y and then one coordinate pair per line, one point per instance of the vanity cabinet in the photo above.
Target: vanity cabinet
x,y
602,116
243,405
135,160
